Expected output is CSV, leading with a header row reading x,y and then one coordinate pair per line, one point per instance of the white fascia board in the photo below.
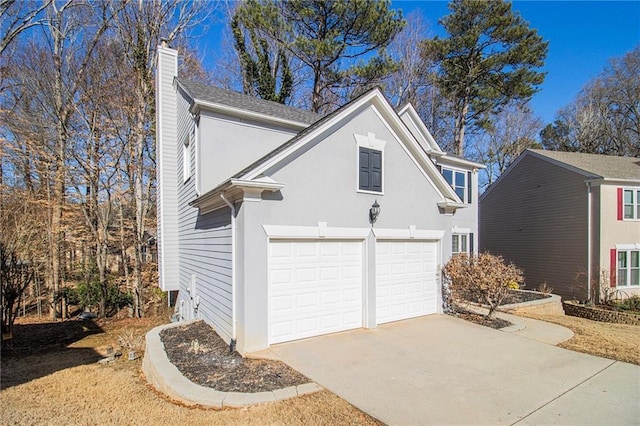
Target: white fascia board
x,y
610,181
242,113
234,190
408,234
315,232
460,162
412,115
635,246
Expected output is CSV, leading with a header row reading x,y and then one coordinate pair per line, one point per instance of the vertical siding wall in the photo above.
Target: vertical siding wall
x,y
166,169
536,216
205,245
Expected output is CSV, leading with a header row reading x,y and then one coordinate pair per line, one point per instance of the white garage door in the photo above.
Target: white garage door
x,y
315,287
406,276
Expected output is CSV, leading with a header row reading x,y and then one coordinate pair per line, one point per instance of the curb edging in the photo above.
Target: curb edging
x,y
166,378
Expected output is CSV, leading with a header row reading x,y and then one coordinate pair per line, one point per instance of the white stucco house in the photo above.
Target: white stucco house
x,y
267,224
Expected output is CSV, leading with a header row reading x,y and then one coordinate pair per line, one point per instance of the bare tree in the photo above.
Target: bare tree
x,y
507,134
605,117
140,26
19,16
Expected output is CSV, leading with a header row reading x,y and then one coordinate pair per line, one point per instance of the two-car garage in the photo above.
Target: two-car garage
x,y
319,286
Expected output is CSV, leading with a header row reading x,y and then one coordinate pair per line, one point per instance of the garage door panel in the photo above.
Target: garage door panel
x,y
406,275
323,281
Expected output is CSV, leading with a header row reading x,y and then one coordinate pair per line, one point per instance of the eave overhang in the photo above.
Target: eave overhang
x,y
235,190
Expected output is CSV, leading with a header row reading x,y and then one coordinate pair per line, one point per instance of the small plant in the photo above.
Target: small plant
x,y
483,278
545,288
130,340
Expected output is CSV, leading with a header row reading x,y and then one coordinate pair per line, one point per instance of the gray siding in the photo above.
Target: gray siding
x,y
205,247
536,216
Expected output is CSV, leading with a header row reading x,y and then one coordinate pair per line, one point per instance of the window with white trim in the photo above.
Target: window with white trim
x,y
459,181
631,204
459,243
628,268
370,170
187,146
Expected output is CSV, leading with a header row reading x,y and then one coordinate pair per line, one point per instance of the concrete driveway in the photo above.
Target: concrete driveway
x,y
443,370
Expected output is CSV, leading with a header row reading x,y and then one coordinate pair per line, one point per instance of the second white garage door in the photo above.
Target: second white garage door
x,y
315,287
406,277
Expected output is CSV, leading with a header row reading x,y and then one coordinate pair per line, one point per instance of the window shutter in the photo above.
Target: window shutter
x,y
619,203
376,171
471,243
439,167
613,267
469,190
365,177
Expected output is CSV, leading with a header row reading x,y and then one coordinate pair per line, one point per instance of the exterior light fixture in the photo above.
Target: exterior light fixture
x,y
374,211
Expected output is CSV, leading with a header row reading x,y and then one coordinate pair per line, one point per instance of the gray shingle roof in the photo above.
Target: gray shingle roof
x,y
204,92
605,166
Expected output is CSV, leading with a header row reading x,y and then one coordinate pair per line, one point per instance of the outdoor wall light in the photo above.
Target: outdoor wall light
x,y
374,211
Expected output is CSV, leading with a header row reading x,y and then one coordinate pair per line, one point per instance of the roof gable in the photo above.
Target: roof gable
x,y
410,117
592,166
386,113
282,155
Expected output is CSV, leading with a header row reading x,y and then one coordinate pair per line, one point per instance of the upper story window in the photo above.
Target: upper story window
x,y
460,181
370,170
370,152
187,147
631,203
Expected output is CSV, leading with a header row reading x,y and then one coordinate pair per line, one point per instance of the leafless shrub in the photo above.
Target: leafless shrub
x,y
545,288
484,278
131,340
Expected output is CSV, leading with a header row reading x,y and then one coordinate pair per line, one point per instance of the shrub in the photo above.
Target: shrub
x,y
631,304
483,278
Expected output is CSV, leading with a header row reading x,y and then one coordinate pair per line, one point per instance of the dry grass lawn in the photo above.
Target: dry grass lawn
x,y
614,341
66,386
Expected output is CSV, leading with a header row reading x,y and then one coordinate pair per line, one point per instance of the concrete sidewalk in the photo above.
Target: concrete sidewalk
x,y
443,370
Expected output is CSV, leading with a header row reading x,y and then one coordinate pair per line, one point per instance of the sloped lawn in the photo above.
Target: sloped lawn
x,y
61,383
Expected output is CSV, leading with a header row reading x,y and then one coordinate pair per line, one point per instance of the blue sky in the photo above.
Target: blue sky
x,y
582,36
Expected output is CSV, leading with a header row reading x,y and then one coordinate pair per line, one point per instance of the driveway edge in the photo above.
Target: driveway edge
x,y
166,378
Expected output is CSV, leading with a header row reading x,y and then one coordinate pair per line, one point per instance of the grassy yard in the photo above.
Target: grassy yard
x,y
63,384
614,341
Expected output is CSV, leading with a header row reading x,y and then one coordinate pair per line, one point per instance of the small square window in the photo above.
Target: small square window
x,y
459,181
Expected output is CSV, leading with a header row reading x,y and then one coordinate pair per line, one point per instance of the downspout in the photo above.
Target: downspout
x,y
232,346
588,240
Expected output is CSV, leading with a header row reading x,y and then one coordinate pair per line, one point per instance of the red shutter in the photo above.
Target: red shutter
x,y
619,203
614,267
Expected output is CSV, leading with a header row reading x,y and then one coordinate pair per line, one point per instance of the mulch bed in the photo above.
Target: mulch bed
x,y
210,363
480,319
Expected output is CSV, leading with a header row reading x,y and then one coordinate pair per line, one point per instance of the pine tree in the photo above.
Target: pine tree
x,y
490,58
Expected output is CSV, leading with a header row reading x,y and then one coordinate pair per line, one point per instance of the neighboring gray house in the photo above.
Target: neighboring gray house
x,y
264,212
570,220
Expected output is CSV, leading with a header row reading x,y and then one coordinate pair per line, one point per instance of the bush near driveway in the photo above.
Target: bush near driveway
x,y
483,278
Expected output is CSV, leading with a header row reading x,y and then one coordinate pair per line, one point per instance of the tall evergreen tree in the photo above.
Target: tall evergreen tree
x,y
265,65
332,40
490,58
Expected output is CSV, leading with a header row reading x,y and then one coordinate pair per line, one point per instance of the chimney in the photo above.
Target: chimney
x,y
167,165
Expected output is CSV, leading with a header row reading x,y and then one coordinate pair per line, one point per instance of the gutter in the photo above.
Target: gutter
x,y
234,321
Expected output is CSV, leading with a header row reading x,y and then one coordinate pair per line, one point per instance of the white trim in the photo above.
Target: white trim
x,y
322,231
410,233
635,191
239,112
196,153
458,230
410,113
635,246
369,141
